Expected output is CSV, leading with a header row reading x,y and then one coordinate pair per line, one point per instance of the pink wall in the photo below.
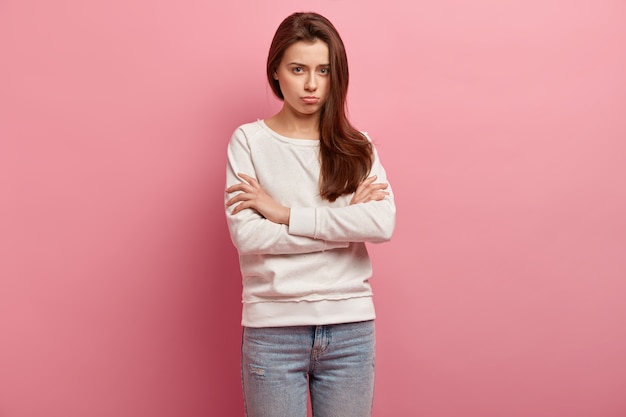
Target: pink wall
x,y
502,125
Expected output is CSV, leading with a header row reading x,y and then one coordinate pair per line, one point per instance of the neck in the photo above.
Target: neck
x,y
295,125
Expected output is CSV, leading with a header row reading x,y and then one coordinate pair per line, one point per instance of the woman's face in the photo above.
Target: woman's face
x,y
304,77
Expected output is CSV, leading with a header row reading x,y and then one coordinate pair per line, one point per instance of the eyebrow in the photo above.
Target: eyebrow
x,y
303,65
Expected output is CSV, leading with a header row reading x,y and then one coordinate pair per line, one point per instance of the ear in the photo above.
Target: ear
x,y
275,75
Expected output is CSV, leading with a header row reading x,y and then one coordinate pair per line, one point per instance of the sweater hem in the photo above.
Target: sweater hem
x,y
308,313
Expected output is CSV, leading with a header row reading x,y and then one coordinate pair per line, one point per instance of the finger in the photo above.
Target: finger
x,y
238,208
243,205
239,197
374,189
250,180
360,189
369,180
380,195
242,186
361,198
359,194
363,185
231,202
379,186
372,196
365,191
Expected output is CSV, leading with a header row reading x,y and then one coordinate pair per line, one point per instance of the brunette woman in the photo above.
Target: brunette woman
x,y
305,192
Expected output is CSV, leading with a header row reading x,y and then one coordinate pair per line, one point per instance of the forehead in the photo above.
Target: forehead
x,y
308,53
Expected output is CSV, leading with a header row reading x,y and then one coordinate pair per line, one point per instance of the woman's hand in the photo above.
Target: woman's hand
x,y
252,196
368,190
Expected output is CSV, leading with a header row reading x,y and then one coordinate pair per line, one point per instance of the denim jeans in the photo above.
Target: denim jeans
x,y
280,366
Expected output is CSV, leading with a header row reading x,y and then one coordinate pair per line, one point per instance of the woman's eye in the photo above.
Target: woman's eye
x,y
297,69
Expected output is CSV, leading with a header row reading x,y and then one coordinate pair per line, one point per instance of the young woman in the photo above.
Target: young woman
x,y
305,191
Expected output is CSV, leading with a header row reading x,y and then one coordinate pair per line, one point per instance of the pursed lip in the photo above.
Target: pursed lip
x,y
310,99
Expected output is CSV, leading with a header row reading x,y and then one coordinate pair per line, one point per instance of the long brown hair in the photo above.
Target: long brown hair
x,y
346,155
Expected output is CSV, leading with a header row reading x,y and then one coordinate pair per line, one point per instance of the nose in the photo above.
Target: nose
x,y
311,82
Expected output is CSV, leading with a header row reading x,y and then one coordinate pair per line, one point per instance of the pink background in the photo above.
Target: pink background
x,y
502,125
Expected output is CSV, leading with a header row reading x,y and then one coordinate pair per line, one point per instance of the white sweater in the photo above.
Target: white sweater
x,y
316,270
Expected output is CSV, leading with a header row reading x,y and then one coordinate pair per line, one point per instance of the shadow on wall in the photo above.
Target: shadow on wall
x,y
221,316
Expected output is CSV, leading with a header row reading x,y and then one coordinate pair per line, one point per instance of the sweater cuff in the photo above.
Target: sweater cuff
x,y
302,221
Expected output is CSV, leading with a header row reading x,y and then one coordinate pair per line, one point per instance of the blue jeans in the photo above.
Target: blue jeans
x,y
280,366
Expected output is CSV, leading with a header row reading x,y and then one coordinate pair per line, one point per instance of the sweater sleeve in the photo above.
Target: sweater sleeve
x,y
373,221
250,232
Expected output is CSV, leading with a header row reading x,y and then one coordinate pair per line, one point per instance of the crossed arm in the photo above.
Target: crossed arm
x,y
270,227
251,195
